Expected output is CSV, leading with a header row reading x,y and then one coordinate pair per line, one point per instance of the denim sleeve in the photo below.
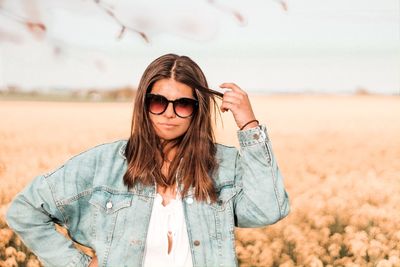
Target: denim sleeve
x,y
33,214
261,196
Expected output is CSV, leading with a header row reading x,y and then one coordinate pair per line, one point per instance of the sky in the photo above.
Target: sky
x,y
315,46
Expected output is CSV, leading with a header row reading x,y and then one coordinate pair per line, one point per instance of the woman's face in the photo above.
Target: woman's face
x,y
168,125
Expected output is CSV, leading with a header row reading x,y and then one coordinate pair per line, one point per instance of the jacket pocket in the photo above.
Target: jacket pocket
x,y
225,195
109,201
223,216
109,209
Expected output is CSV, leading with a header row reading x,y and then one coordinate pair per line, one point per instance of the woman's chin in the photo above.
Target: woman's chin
x,y
165,137
168,137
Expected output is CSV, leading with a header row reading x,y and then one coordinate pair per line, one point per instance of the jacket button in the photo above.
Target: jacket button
x,y
196,242
109,205
255,136
189,200
220,202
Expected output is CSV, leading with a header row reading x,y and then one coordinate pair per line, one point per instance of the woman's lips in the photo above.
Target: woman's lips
x,y
168,125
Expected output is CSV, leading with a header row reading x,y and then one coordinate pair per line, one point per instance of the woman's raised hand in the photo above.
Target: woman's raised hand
x,y
237,101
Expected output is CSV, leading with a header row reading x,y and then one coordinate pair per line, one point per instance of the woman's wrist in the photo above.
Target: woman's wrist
x,y
250,124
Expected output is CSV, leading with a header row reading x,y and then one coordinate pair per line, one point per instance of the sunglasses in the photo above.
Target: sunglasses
x,y
183,107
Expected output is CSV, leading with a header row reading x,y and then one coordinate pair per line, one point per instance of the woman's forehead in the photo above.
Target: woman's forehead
x,y
171,89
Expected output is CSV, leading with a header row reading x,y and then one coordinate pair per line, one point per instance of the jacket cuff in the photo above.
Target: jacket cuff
x,y
253,136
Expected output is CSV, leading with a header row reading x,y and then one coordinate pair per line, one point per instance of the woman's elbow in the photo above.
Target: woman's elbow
x,y
19,214
281,210
253,215
13,214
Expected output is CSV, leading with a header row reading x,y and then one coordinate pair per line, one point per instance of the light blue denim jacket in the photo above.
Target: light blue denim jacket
x,y
87,196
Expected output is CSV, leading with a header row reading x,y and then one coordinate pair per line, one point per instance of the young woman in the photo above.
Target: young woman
x,y
167,196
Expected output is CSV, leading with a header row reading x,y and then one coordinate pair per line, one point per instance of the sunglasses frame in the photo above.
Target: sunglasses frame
x,y
174,103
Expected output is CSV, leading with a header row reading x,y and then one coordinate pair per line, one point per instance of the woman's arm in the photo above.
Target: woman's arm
x,y
33,214
261,196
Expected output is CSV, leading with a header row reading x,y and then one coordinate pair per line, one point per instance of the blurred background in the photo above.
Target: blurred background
x,y
324,76
333,46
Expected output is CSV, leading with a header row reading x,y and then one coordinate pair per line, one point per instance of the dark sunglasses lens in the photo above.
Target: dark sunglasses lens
x,y
185,107
157,104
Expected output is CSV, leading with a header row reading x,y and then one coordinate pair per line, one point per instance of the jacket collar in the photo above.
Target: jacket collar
x,y
122,148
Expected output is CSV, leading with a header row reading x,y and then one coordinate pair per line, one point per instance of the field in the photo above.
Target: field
x,y
339,155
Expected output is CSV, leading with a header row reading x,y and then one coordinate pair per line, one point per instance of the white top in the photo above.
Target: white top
x,y
167,223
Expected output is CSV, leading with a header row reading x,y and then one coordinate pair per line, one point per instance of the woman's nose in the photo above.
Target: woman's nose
x,y
169,112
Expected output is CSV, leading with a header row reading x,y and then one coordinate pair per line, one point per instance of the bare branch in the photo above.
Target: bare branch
x,y
239,17
13,16
122,32
283,4
110,12
36,28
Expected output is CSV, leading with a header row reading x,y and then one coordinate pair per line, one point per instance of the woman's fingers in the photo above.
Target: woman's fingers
x,y
237,101
229,100
232,99
226,106
232,86
236,98
236,94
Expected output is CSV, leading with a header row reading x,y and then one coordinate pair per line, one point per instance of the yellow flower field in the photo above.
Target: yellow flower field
x,y
339,155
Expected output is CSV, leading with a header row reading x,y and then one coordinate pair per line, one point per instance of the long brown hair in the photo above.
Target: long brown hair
x,y
194,162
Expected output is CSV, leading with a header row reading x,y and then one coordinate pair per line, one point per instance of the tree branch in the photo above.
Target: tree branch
x,y
108,10
37,28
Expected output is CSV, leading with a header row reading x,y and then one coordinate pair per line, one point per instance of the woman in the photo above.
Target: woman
x,y
168,196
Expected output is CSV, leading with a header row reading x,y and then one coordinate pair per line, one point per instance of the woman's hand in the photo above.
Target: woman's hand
x,y
237,101
94,262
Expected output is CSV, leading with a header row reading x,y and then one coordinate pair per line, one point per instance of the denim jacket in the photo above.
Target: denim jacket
x,y
87,196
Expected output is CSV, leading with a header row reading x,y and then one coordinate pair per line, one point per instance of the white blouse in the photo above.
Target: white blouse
x,y
167,221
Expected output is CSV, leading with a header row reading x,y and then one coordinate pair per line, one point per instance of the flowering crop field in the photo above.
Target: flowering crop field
x,y
339,156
